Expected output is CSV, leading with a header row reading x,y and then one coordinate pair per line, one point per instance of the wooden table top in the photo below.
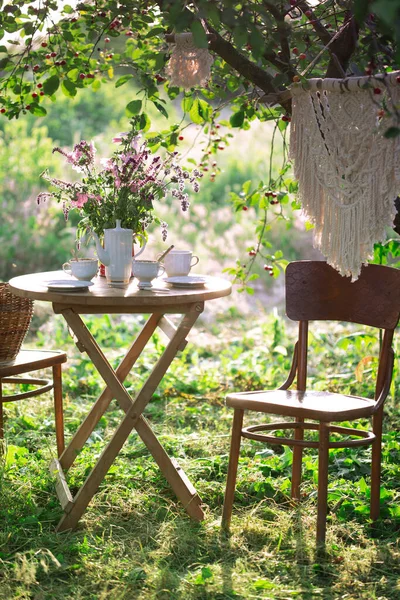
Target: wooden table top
x,y
101,294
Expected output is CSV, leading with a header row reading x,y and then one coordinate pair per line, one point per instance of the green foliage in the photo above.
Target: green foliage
x,y
84,51
23,244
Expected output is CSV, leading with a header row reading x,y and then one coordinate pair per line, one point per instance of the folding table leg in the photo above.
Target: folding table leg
x,y
97,474
133,418
104,400
188,320
175,476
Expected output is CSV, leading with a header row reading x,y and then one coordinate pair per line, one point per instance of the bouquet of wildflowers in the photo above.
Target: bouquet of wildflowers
x,y
123,187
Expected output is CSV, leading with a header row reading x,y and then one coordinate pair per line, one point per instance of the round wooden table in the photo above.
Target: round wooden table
x,y
158,302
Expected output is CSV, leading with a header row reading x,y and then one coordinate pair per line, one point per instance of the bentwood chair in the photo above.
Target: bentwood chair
x,y
15,317
315,291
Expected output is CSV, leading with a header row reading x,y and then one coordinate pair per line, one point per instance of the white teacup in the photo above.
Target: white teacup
x,y
83,269
145,271
179,262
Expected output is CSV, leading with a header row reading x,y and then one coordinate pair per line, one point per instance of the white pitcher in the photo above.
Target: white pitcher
x,y
117,254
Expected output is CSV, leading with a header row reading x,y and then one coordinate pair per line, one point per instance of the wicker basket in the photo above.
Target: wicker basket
x,y
15,318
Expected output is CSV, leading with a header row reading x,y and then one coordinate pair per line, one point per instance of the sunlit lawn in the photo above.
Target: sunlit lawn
x,y
136,541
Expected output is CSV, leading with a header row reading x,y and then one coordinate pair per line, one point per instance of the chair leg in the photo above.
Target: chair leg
x,y
376,464
58,408
1,411
297,459
232,467
323,458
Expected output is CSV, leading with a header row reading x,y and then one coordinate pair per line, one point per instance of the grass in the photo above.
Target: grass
x,y
136,541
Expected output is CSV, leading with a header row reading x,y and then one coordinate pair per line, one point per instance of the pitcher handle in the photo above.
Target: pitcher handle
x,y
142,249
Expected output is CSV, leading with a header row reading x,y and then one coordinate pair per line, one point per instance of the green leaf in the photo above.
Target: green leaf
x,y
38,110
144,122
28,28
246,186
73,75
68,88
67,35
282,125
51,85
212,13
199,35
68,9
257,42
308,225
387,11
237,118
240,36
155,31
134,107
392,132
160,108
16,454
123,80
263,584
187,103
206,573
360,9
200,111
362,484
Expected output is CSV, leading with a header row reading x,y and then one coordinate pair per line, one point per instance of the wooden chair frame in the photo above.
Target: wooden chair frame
x,y
26,362
314,291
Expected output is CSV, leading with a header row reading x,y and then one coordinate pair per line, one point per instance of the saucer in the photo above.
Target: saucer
x,y
187,281
68,285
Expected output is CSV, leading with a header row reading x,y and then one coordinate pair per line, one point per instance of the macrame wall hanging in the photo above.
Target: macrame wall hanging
x,y
348,172
188,66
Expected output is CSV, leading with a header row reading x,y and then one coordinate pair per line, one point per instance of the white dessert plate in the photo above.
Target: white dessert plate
x,y
68,285
187,281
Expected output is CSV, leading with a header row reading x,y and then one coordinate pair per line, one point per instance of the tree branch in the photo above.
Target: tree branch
x,y
343,47
241,64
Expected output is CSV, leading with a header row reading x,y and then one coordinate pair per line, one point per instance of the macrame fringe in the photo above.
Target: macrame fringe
x,y
348,172
188,66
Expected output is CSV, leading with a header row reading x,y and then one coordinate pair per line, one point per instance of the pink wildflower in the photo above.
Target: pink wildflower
x,y
119,138
107,163
81,200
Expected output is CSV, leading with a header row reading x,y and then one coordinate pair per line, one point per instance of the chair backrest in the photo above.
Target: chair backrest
x,y
316,292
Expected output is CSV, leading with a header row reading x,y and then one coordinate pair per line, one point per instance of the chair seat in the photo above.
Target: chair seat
x,y
321,406
28,360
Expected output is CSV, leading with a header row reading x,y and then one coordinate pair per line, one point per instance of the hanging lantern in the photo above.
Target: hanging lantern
x,y
189,66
